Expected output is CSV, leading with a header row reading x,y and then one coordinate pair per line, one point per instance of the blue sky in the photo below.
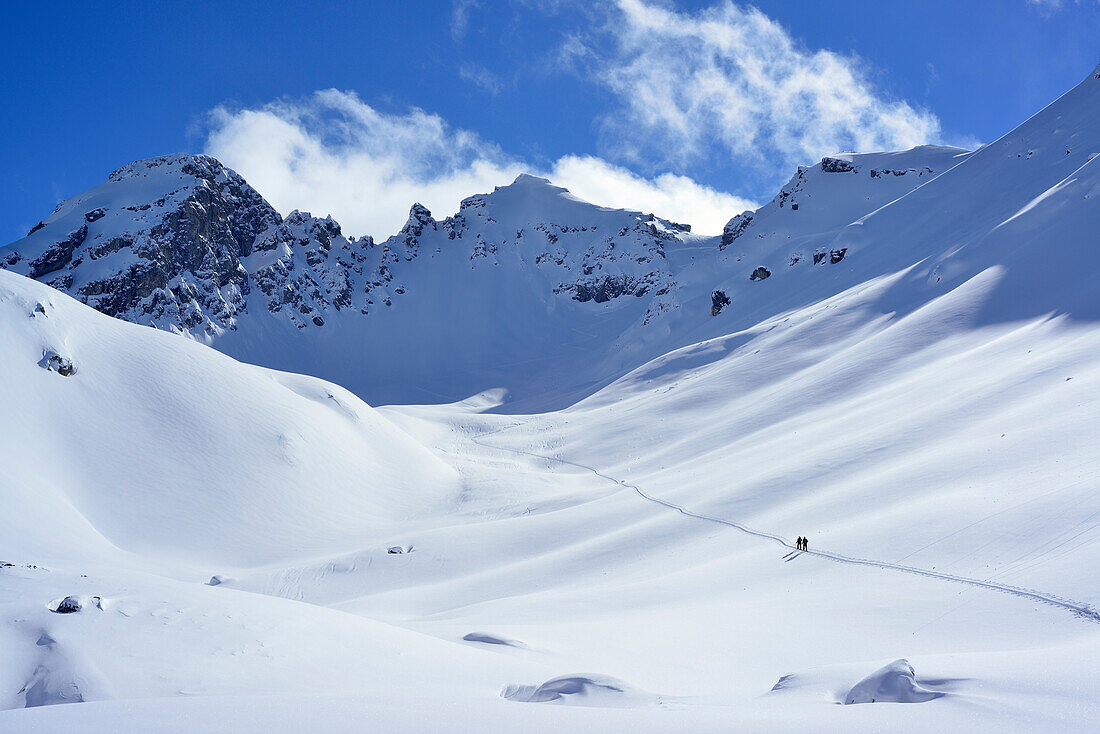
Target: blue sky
x,y
691,109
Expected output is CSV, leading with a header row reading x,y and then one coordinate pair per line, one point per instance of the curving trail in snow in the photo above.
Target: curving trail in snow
x,y
1083,611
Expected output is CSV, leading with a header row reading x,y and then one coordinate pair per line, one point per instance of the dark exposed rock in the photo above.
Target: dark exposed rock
x,y
94,214
419,218
35,228
718,301
760,273
835,165
62,282
69,605
602,290
59,255
735,228
834,256
54,362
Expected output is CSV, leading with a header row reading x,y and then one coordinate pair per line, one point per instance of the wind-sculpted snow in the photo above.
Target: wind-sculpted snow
x,y
893,683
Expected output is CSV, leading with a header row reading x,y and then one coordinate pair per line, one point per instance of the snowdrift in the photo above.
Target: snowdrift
x,y
892,683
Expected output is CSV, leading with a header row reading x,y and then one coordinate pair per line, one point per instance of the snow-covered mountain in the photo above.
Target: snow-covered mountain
x,y
905,369
531,290
527,288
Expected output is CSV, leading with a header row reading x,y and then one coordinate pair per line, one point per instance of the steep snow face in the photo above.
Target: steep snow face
x,y
821,199
156,445
1024,206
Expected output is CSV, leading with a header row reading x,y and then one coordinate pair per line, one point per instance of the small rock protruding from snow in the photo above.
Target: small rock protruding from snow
x,y
68,605
397,550
760,273
718,301
54,362
74,603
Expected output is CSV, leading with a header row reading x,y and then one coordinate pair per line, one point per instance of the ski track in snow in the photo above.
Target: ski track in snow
x,y
1083,611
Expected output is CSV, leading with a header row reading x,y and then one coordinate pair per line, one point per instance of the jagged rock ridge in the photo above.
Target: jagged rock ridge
x,y
526,274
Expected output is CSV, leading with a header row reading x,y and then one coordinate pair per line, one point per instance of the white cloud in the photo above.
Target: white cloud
x,y
480,77
668,195
460,17
333,153
730,78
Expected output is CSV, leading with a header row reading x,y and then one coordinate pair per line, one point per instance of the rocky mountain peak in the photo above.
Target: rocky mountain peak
x,y
419,218
199,166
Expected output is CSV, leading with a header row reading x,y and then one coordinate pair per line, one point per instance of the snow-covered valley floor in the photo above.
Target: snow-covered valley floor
x,y
624,564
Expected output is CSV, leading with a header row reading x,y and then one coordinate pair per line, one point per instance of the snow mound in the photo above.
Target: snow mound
x,y
59,677
893,683
599,691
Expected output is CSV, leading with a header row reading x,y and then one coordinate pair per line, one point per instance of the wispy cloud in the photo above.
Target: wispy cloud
x,y
730,82
460,17
481,77
675,197
334,153
1048,7
726,88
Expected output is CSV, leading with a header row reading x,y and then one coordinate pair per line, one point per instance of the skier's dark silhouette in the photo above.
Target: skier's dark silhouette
x,y
805,543
798,544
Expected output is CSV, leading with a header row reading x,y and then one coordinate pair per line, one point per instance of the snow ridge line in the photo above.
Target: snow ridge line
x,y
1085,612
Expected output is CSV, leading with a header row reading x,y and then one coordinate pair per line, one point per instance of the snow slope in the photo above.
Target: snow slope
x,y
159,446
922,406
